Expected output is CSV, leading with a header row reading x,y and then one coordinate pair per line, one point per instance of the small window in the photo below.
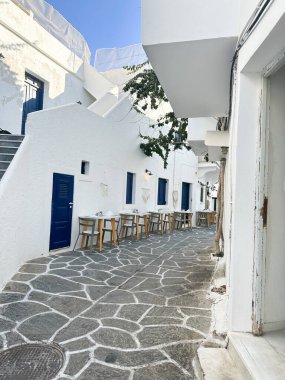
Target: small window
x,y
85,167
130,198
162,191
202,194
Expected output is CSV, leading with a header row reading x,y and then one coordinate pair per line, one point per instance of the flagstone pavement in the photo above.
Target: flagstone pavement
x,y
136,312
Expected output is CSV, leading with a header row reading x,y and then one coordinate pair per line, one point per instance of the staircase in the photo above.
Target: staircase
x,y
9,144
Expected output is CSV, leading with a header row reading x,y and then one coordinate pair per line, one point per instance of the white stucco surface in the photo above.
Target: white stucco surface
x,y
275,258
27,47
57,141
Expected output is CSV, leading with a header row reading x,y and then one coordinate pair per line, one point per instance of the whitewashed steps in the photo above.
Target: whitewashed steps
x,y
215,364
255,358
9,145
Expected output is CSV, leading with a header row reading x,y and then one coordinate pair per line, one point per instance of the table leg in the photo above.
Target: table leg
x,y
145,226
184,221
114,232
208,219
190,221
100,227
122,228
162,223
170,222
137,227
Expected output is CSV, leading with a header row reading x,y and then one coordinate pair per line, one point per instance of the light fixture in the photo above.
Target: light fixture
x,y
148,172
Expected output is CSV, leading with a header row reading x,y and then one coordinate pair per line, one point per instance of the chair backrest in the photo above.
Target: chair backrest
x,y
85,224
128,218
155,217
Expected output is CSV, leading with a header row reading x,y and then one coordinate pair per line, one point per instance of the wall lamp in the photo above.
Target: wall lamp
x,y
148,172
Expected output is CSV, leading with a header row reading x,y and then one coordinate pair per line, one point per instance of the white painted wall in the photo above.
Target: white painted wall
x,y
165,21
27,47
274,308
57,141
243,178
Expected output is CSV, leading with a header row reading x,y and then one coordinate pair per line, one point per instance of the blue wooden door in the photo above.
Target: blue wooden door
x,y
33,97
185,198
129,189
61,211
161,194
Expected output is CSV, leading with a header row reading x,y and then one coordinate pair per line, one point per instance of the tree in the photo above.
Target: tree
x,y
148,94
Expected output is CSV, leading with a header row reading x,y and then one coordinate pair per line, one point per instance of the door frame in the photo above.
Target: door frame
x,y
51,219
36,79
260,216
190,195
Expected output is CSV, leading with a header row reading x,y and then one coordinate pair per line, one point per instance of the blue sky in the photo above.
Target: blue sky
x,y
103,23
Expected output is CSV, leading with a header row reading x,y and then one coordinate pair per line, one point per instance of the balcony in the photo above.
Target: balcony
x,y
190,45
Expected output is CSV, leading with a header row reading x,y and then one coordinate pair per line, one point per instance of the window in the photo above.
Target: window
x,y
201,194
85,167
162,191
130,198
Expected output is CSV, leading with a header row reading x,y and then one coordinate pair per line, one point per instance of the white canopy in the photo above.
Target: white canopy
x,y
116,58
54,23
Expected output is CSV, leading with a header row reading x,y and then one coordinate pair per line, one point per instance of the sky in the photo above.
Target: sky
x,y
103,23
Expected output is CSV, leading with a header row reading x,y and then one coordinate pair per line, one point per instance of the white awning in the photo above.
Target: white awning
x,y
54,23
116,58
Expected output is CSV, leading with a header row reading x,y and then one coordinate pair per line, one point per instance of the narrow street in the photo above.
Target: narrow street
x,y
136,312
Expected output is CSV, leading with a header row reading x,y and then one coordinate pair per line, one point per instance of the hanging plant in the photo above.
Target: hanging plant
x,y
170,132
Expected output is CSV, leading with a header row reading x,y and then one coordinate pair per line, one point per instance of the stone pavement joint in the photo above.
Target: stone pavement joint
x,y
135,312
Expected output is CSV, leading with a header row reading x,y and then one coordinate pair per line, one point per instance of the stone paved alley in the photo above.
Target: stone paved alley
x,y
137,312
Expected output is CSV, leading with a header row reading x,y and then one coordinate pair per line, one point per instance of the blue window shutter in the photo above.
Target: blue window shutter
x,y
129,192
161,194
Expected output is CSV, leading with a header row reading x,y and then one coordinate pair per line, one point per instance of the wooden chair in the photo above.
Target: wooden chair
x,y
87,230
128,221
177,220
143,224
155,221
108,228
167,222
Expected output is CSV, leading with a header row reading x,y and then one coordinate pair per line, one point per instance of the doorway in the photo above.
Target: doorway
x,y
33,98
185,197
61,211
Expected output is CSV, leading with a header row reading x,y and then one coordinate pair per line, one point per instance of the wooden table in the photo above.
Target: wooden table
x,y
185,214
163,214
208,217
138,215
101,219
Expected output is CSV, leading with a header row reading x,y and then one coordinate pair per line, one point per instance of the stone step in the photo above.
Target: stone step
x,y
6,157
255,358
10,143
4,164
2,172
215,364
8,150
12,137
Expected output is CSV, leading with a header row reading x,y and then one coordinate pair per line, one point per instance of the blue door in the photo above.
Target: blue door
x,y
185,198
161,194
33,97
129,192
61,211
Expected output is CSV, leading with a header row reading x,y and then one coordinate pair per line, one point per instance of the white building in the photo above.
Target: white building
x,y
212,58
84,150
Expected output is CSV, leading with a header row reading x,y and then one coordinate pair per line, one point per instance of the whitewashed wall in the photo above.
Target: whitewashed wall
x,y
274,317
57,141
27,47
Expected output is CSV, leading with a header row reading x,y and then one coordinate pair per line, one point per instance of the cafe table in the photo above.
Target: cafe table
x,y
184,215
206,214
138,216
163,215
101,218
